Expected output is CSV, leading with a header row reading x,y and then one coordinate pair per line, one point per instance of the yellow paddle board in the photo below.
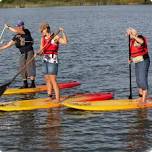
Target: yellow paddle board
x,y
39,88
45,103
108,105
42,103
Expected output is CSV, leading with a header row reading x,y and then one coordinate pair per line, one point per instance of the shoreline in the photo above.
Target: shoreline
x,y
61,4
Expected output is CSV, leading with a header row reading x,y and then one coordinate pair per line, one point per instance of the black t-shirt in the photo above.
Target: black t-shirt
x,y
24,42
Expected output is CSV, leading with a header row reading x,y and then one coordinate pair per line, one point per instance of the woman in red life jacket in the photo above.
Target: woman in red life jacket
x,y
49,48
140,56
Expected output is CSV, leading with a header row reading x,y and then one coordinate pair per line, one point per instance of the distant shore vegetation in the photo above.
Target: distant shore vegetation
x,y
47,3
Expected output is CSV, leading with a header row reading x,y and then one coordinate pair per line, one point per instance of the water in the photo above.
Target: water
x,y
96,56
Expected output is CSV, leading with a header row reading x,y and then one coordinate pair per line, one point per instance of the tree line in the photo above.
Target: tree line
x,y
24,3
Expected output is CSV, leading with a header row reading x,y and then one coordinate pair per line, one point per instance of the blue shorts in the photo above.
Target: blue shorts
x,y
50,68
141,71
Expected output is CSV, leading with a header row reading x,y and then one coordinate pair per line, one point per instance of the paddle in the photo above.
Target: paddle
x,y
130,84
4,86
2,33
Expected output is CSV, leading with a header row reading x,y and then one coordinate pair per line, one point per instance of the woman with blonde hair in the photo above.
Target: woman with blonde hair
x,y
140,56
49,49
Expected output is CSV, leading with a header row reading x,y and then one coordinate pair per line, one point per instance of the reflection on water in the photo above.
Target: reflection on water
x,y
18,135
53,130
138,135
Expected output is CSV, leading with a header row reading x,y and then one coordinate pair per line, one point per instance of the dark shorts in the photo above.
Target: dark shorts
x,y
50,68
141,71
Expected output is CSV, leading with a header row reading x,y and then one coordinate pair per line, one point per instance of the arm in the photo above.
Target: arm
x,y
133,35
41,44
139,40
64,39
40,51
8,45
15,29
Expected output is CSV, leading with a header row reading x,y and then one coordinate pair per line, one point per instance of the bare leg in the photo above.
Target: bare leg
x,y
142,101
48,84
55,87
144,96
32,77
140,91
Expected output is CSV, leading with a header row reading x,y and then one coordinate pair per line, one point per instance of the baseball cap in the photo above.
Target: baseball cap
x,y
20,23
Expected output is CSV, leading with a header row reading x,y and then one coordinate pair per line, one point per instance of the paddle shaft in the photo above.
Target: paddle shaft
x,y
2,32
130,82
35,55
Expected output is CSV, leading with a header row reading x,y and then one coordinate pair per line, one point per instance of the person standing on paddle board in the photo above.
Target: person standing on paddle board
x,y
139,55
49,49
24,42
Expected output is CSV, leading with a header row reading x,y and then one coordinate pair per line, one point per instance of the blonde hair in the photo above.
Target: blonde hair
x,y
43,26
133,31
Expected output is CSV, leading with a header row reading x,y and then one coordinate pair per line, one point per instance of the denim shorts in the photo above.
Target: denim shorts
x,y
141,71
50,68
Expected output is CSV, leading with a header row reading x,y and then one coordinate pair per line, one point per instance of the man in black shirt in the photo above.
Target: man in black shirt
x,y
24,42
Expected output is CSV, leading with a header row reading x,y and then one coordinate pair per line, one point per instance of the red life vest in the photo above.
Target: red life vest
x,y
50,46
138,50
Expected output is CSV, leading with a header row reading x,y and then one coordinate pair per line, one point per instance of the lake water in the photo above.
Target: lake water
x,y
96,56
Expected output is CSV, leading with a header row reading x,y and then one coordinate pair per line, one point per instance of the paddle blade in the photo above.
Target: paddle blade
x,y
3,88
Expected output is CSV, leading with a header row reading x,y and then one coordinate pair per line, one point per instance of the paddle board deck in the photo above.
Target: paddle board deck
x,y
43,103
109,105
40,88
46,103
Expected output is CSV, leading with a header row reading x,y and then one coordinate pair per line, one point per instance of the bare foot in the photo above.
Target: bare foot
x,y
142,104
139,99
55,101
49,96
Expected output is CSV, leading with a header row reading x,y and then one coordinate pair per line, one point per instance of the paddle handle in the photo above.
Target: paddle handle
x,y
35,55
130,74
